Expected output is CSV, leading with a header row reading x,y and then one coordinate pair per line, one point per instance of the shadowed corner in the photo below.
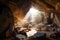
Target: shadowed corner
x,y
6,22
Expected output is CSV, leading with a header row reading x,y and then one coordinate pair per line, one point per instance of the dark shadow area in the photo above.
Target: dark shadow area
x,y
6,21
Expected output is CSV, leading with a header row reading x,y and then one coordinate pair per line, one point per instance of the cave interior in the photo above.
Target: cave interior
x,y
30,19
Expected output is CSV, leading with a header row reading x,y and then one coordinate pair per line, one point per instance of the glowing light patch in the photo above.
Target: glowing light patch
x,y
33,15
31,33
33,10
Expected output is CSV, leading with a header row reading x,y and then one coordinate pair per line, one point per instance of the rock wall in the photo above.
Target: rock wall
x,y
57,19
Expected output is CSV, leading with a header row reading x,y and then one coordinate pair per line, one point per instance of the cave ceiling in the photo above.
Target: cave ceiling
x,y
48,5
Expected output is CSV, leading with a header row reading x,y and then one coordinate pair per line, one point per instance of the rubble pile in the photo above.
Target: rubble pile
x,y
43,31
